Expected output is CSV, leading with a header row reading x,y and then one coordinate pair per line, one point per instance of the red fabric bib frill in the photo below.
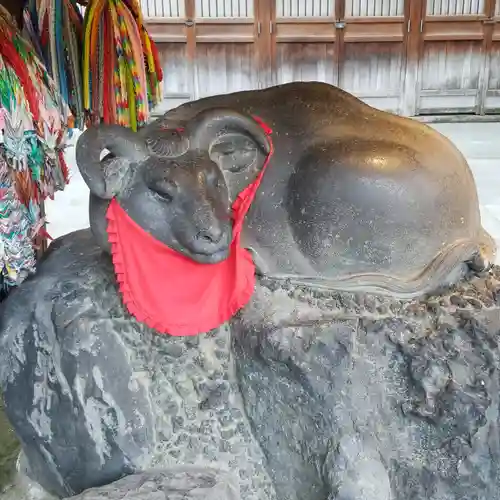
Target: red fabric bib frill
x,y
172,293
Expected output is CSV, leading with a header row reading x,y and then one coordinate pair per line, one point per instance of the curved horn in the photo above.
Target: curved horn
x,y
208,124
167,142
123,143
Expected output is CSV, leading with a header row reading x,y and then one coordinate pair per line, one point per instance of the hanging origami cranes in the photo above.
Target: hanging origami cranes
x,y
33,120
105,66
68,71
55,29
121,67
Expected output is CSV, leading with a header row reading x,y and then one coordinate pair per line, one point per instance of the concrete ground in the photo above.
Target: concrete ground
x,y
479,142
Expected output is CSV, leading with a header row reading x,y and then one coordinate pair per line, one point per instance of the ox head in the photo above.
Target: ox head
x,y
172,184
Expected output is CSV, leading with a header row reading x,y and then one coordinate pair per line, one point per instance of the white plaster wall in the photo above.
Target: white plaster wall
x,y
69,210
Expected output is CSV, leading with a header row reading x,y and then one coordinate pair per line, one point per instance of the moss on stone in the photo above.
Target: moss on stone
x,y
9,450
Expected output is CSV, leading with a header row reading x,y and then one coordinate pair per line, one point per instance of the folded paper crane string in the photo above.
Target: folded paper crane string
x,y
121,66
33,124
55,29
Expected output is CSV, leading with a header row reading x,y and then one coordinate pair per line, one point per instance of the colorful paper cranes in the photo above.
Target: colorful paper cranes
x,y
33,121
121,67
105,65
55,29
66,70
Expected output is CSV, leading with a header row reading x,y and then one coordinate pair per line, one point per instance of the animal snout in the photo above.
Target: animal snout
x,y
211,235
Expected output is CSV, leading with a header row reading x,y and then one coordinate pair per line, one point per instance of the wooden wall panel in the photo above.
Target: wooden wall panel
x,y
494,76
303,41
304,8
210,50
451,66
178,85
224,67
306,62
455,7
163,8
492,98
408,56
449,77
372,68
374,8
455,36
175,68
371,54
374,73
217,9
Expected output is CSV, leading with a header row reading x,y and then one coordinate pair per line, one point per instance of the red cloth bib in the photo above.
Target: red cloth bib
x,y
172,293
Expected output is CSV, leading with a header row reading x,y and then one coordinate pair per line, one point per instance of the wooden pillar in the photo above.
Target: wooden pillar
x,y
414,15
265,42
484,75
190,31
339,44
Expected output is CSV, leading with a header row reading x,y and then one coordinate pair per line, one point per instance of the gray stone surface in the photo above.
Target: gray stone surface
x,y
94,395
358,397
176,484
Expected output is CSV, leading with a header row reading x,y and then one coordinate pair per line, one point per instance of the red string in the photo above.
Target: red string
x,y
64,166
44,234
242,203
44,37
156,58
266,128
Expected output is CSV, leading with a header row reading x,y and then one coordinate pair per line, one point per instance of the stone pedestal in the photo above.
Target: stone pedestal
x,y
176,484
306,395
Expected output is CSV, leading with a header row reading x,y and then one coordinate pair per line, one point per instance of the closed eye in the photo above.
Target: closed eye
x,y
224,149
166,190
164,196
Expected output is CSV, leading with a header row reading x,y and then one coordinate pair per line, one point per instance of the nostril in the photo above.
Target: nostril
x,y
210,236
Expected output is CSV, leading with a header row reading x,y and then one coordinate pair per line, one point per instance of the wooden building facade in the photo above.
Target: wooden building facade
x,y
413,57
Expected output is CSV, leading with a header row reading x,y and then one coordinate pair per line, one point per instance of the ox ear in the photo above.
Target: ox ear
x,y
107,177
233,139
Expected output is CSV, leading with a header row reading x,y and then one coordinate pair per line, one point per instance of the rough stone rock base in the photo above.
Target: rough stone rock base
x,y
93,395
305,395
175,484
363,397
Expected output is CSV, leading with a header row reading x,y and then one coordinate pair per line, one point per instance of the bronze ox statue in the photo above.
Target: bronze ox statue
x,y
365,366
353,197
